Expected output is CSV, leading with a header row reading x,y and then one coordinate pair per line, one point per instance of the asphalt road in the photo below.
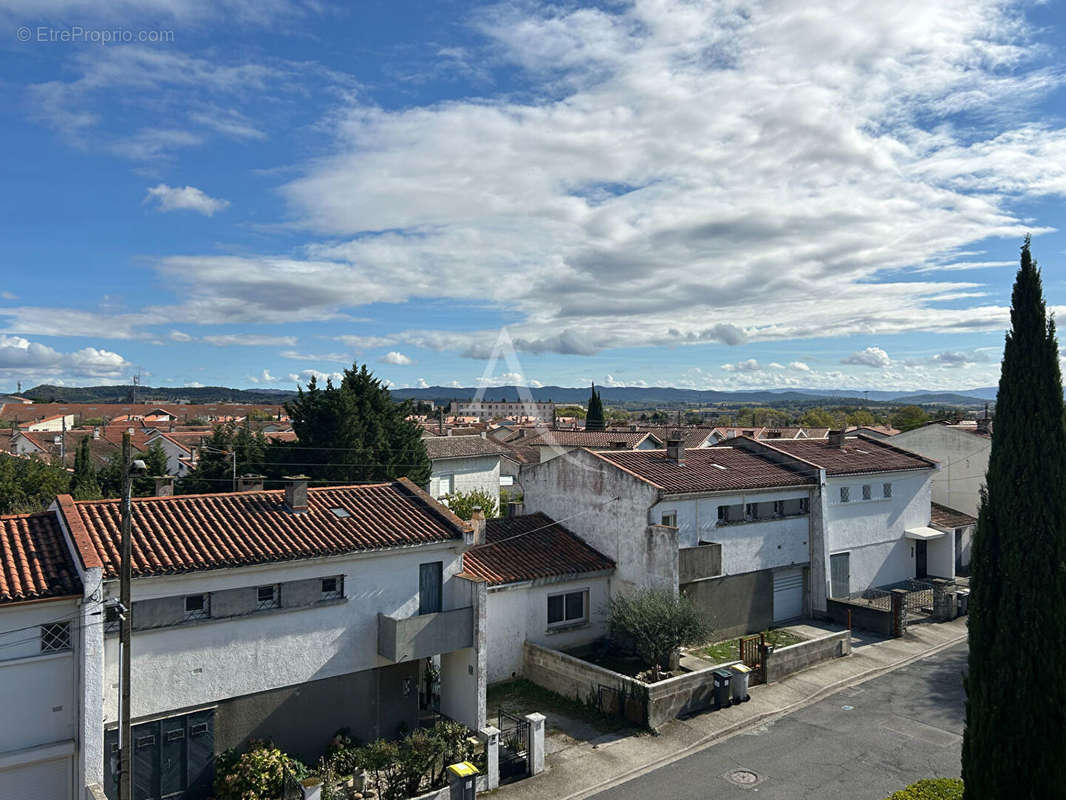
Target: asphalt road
x,y
862,743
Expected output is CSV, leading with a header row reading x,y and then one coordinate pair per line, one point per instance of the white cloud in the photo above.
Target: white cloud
x,y
396,358
187,198
421,384
749,365
263,377
8,295
297,356
249,340
503,379
870,357
799,366
303,376
179,336
20,357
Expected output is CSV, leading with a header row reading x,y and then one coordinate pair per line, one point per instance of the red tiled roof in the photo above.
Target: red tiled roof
x,y
34,560
703,470
944,517
595,439
461,447
530,546
858,455
188,533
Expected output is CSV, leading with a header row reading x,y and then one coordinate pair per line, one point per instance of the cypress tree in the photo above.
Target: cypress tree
x,y
1015,738
594,415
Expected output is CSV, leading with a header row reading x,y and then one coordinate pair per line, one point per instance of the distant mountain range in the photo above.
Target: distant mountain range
x,y
619,395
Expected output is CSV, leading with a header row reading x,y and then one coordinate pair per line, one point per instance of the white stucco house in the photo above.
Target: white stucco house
x,y
285,615
750,530
463,464
40,655
962,449
179,453
545,585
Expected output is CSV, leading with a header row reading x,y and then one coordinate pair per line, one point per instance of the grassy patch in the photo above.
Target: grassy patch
x,y
524,697
729,650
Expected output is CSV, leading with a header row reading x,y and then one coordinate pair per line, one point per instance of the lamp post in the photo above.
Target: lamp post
x,y
125,784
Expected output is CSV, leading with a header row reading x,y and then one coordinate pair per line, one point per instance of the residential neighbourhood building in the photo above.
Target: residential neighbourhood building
x,y
488,410
463,464
553,443
962,450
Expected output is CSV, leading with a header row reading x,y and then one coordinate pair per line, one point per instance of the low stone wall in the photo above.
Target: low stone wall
x,y
863,616
650,704
783,661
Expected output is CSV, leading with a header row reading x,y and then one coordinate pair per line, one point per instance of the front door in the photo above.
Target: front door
x,y
173,758
840,575
921,558
430,586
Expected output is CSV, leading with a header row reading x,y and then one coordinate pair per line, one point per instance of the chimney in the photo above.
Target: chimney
x,y
250,483
477,527
296,493
164,486
675,448
836,438
96,432
515,508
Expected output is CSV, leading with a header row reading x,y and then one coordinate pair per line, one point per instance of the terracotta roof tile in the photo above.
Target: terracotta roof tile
x,y
34,560
706,469
944,517
530,546
188,533
461,447
594,439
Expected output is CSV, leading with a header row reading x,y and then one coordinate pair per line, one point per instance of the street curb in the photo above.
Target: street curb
x,y
725,733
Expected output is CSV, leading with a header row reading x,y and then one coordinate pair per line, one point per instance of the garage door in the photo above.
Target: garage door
x,y
788,594
44,780
173,758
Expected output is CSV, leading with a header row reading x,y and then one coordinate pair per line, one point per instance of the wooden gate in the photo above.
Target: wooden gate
x,y
751,653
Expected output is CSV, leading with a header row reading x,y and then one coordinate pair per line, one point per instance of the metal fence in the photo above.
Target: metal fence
x,y
874,598
514,747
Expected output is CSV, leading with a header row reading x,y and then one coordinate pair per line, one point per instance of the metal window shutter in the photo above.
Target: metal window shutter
x,y
788,594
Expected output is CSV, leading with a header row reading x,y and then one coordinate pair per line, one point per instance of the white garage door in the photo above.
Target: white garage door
x,y
43,780
788,594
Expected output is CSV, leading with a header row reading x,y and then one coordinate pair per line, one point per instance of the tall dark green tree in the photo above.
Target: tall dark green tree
x,y
83,483
214,467
352,433
594,420
1015,738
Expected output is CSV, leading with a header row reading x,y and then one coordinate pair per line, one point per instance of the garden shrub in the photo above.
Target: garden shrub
x,y
931,789
257,774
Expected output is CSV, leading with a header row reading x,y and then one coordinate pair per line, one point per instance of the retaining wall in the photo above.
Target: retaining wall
x,y
863,616
783,661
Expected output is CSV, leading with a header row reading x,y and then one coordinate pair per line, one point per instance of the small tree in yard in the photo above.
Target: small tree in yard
x,y
462,504
655,623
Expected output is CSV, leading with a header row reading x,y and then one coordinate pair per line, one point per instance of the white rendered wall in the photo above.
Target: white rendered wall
x,y
963,458
519,612
873,530
746,546
37,690
940,556
480,472
204,662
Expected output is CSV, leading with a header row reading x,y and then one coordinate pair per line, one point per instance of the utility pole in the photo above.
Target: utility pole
x,y
125,785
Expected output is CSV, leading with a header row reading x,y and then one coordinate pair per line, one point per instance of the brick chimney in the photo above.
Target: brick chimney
x,y
675,448
250,483
836,438
296,493
164,486
477,525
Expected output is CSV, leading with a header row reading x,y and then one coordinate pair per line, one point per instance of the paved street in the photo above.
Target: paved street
x,y
862,743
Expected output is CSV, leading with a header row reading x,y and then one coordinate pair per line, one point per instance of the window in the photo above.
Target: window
x,y
340,513
55,637
867,491
723,513
196,607
751,511
267,597
845,494
670,518
779,508
430,587
112,622
805,505
567,609
886,490
446,484
332,588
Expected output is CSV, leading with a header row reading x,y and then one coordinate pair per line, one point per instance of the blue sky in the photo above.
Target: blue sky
x,y
699,194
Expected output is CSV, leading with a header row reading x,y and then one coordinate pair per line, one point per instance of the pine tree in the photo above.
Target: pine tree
x,y
594,416
352,433
1015,738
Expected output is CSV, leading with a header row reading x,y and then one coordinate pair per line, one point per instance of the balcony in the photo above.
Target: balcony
x,y
696,563
424,635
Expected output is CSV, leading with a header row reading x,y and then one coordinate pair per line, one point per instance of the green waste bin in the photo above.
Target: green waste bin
x,y
722,688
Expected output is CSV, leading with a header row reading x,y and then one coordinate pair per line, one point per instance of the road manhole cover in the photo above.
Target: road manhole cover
x,y
743,777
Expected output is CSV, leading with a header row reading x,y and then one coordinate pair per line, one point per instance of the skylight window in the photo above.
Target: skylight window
x,y
718,466
340,512
860,450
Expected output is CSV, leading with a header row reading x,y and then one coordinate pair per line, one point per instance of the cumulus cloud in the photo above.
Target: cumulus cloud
x,y
20,357
184,198
396,358
249,340
870,357
305,375
748,365
799,366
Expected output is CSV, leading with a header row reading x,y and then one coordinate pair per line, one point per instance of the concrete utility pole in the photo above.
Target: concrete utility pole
x,y
125,739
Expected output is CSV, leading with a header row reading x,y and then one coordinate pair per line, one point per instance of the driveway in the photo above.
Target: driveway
x,y
862,743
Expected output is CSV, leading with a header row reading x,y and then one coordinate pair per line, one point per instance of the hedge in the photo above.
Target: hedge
x,y
931,789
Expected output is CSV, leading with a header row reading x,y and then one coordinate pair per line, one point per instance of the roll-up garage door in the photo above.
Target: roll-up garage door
x,y
42,780
788,594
